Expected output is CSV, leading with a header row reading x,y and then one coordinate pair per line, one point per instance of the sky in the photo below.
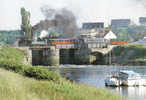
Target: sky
x,y
84,10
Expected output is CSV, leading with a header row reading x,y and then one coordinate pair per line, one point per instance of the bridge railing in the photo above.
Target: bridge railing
x,y
72,43
66,46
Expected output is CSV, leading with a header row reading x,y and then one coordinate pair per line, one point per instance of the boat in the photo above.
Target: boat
x,y
125,78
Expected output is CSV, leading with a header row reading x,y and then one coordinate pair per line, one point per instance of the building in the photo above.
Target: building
x,y
142,20
120,22
110,35
89,26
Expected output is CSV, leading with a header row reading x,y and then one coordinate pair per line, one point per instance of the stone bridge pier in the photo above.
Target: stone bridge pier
x,y
56,52
45,56
51,56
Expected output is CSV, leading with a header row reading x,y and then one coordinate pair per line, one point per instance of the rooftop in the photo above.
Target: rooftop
x,y
128,72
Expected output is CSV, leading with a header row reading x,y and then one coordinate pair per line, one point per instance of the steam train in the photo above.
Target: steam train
x,y
119,42
77,42
55,42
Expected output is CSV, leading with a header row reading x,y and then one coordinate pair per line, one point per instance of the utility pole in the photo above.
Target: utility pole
x,y
110,55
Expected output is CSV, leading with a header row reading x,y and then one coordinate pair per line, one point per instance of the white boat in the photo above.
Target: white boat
x,y
126,78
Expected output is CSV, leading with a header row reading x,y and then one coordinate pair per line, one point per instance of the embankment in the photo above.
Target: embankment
x,y
129,55
39,83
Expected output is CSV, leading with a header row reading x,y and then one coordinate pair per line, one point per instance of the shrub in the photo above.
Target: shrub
x,y
129,54
12,59
36,72
41,73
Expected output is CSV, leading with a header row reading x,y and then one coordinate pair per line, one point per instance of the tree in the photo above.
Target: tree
x,y
26,26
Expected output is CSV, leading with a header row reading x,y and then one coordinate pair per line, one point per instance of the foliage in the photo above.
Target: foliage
x,y
139,50
26,26
12,59
127,53
10,53
16,87
36,72
9,37
130,33
42,73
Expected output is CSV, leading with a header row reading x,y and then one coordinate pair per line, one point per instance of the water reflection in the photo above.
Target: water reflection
x,y
134,93
95,75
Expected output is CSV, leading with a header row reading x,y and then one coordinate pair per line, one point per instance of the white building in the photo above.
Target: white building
x,y
110,35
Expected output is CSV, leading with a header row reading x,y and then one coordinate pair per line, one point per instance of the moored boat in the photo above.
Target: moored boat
x,y
126,78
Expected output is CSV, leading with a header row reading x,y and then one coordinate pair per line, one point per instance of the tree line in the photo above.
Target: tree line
x,y
130,33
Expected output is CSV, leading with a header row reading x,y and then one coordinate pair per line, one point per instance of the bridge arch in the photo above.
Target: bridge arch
x,y
100,58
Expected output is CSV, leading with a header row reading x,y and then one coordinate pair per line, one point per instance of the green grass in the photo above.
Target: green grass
x,y
16,87
48,86
10,53
12,59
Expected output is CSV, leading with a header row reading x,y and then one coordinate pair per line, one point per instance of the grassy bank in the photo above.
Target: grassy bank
x,y
129,55
10,53
12,59
16,87
48,86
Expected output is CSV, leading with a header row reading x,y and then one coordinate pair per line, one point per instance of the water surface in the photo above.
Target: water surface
x,y
95,75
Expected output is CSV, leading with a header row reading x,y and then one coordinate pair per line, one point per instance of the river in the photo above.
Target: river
x,y
94,75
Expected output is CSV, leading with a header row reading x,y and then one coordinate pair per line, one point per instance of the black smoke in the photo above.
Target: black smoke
x,y
62,21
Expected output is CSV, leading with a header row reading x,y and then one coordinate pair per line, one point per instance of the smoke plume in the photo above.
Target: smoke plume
x,y
62,21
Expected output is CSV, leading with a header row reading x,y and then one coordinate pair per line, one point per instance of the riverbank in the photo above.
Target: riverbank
x,y
39,83
15,87
131,54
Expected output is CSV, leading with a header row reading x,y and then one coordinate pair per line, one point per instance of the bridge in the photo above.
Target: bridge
x,y
68,51
72,43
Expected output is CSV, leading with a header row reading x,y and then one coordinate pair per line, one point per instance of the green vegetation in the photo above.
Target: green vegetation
x,y
131,33
9,37
130,54
12,59
36,72
26,26
11,53
48,86
16,87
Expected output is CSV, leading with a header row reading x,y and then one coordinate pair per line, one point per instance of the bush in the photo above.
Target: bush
x,y
12,65
36,72
41,73
131,54
12,59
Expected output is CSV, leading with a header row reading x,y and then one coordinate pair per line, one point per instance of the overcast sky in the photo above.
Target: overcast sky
x,y
84,10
